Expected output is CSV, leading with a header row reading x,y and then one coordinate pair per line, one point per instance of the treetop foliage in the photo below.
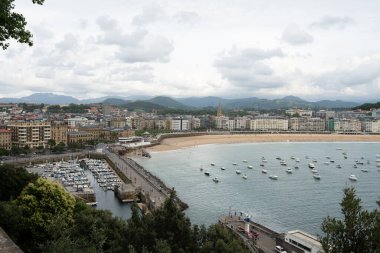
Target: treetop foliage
x,y
13,25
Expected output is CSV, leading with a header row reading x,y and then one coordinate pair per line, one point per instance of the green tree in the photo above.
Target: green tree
x,y
13,180
13,25
40,203
51,143
4,152
356,232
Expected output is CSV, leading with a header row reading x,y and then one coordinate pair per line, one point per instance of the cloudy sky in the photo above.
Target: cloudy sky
x,y
326,49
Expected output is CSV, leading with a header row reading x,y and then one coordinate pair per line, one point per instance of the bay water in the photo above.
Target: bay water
x,y
294,201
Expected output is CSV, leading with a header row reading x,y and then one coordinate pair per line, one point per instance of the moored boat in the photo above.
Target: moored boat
x,y
207,173
274,177
317,176
250,167
238,172
222,168
289,171
215,179
264,171
245,176
353,177
311,165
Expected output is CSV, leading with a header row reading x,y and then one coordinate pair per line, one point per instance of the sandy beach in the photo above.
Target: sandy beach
x,y
186,142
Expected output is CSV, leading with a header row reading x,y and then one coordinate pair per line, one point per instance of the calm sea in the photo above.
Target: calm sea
x,y
294,201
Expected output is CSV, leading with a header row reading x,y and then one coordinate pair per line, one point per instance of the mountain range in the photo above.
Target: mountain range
x,y
187,103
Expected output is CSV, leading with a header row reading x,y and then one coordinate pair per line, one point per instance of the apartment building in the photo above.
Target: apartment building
x,y
347,125
31,134
59,132
180,124
222,122
299,112
269,124
307,124
371,125
118,122
5,139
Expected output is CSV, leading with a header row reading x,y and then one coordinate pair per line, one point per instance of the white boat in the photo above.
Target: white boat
x,y
314,171
317,176
245,161
297,160
289,170
293,157
283,163
364,170
311,165
222,168
264,160
264,171
326,163
274,177
244,176
212,164
250,167
215,179
353,177
238,172
207,173
234,164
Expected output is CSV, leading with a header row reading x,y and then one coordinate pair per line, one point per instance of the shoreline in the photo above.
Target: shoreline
x,y
170,144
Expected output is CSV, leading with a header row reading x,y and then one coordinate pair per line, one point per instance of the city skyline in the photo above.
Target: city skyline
x,y
267,49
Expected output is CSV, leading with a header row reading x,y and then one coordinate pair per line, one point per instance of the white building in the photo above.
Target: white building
x,y
299,112
347,125
269,124
304,241
372,126
376,113
222,122
307,124
180,125
79,121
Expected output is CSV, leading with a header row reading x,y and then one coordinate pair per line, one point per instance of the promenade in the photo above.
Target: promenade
x,y
141,179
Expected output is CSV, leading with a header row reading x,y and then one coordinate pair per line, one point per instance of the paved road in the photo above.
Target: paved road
x,y
264,241
140,178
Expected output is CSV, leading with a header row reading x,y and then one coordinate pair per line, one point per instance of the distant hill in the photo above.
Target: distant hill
x,y
368,106
143,106
167,102
45,98
115,101
188,103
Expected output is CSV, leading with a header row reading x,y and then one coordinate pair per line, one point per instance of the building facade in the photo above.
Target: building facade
x,y
31,134
307,124
5,139
269,124
59,132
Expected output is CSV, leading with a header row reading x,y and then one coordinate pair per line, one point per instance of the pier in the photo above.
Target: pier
x,y
151,187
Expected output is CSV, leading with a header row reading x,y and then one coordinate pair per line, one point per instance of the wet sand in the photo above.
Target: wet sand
x,y
192,141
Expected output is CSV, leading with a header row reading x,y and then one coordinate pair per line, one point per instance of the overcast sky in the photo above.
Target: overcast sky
x,y
320,49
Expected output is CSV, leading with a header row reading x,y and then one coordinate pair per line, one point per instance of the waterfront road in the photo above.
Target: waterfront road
x,y
140,178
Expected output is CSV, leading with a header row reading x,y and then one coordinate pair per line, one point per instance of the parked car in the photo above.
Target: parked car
x,y
279,249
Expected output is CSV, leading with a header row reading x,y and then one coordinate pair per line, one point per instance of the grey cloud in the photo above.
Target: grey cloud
x,y
248,68
328,22
187,17
106,23
83,23
151,49
46,73
363,74
83,70
69,43
295,36
116,37
41,32
150,14
143,73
